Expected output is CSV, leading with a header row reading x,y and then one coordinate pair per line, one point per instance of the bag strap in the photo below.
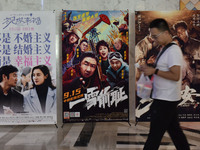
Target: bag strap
x,y
163,50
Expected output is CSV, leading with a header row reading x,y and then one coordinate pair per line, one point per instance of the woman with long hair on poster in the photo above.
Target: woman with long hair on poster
x,y
41,98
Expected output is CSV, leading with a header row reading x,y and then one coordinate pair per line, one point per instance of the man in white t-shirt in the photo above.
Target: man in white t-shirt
x,y
166,90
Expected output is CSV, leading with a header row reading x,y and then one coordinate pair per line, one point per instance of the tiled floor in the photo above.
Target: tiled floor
x,y
88,136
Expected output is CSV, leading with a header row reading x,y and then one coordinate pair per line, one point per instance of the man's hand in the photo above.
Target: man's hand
x,y
172,74
147,70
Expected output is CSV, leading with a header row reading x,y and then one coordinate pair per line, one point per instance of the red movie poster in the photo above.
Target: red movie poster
x,y
185,29
95,66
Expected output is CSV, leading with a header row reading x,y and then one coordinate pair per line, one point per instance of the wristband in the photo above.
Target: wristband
x,y
156,72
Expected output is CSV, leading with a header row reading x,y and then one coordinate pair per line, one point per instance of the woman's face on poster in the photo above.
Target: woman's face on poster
x,y
39,77
73,38
103,51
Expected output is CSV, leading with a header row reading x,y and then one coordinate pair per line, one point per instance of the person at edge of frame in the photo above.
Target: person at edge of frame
x,y
11,101
191,54
166,92
69,44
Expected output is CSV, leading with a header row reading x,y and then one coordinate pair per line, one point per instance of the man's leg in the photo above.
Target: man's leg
x,y
158,126
176,133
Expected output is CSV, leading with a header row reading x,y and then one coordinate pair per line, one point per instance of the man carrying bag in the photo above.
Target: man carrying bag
x,y
166,90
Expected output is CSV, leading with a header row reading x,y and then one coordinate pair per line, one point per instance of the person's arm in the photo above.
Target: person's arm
x,y
172,74
68,76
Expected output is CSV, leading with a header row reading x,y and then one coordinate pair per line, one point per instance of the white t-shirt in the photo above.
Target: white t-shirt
x,y
165,89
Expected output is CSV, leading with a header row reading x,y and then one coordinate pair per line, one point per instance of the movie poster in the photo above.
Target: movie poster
x,y
189,5
185,29
95,66
27,68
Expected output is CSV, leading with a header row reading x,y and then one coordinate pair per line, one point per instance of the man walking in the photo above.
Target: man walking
x,y
166,90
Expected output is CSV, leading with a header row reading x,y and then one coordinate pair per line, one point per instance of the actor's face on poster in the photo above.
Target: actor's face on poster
x,y
88,67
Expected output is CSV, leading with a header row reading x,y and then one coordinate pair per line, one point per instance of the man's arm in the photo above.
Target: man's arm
x,y
172,74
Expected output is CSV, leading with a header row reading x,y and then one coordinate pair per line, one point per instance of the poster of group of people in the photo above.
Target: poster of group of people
x,y
27,68
185,29
95,65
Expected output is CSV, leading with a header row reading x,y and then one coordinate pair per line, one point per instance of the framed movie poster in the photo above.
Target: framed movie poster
x,y
27,68
95,66
185,30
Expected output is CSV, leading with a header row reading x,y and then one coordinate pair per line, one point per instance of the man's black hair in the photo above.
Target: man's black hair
x,y
161,24
84,40
6,70
88,54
